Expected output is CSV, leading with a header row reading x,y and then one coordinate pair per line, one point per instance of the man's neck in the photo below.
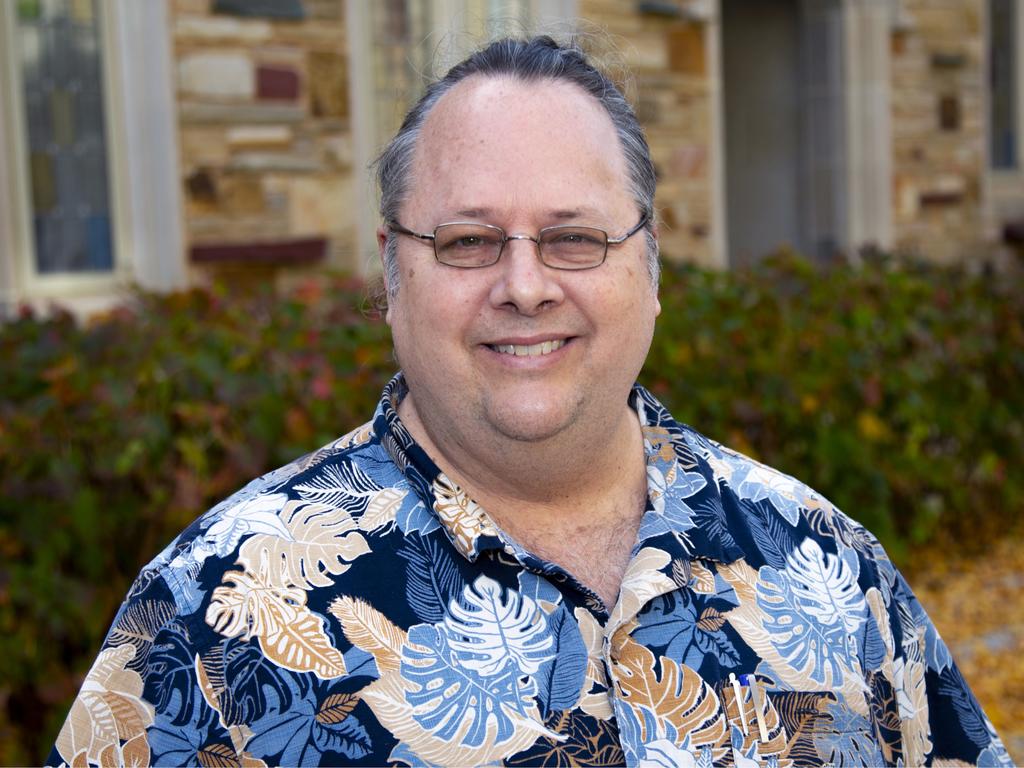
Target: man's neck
x,y
594,460
575,503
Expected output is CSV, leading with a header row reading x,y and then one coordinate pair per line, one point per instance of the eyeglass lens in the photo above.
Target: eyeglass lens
x,y
479,245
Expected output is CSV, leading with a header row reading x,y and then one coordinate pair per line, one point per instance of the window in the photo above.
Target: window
x,y
89,198
58,47
1003,74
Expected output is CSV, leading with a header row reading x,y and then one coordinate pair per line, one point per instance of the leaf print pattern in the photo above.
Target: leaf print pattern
x,y
810,609
366,628
588,742
256,515
492,631
358,606
137,625
505,733
463,518
289,634
322,542
432,578
109,710
341,487
676,694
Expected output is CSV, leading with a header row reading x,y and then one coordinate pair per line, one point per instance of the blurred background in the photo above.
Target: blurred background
x,y
187,227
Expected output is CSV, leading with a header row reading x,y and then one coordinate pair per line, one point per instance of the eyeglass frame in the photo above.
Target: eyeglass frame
x,y
505,237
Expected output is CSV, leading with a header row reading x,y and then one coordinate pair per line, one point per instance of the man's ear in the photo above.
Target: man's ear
x,y
382,240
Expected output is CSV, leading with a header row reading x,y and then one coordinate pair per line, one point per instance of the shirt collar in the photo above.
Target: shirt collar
x,y
472,531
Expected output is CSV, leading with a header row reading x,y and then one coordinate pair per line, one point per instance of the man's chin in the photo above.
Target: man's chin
x,y
533,422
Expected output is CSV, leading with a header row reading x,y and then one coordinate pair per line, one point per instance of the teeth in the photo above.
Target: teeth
x,y
532,350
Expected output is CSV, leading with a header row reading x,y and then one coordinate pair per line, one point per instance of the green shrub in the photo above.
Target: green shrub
x,y
897,393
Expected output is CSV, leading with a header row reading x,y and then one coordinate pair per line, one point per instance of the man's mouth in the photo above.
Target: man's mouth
x,y
529,350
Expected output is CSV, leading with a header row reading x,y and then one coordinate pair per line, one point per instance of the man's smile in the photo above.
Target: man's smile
x,y
529,350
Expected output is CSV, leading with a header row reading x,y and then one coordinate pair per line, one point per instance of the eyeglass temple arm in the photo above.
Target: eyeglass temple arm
x,y
402,230
639,225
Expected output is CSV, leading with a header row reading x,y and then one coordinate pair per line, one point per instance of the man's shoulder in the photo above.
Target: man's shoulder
x,y
329,501
762,494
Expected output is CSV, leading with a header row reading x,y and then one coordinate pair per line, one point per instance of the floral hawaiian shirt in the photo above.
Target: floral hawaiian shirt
x,y
356,607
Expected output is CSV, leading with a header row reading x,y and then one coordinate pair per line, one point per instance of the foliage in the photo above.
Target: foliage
x,y
896,392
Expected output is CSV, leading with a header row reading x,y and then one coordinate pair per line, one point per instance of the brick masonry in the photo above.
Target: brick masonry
x,y
264,135
938,86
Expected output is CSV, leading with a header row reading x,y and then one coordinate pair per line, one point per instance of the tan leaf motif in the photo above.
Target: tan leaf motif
x,y
302,645
289,633
369,630
210,694
243,606
381,509
336,708
661,444
135,752
711,620
463,517
218,756
324,543
703,579
386,696
109,709
679,696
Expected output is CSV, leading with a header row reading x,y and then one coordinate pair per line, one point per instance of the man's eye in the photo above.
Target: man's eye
x,y
574,238
469,241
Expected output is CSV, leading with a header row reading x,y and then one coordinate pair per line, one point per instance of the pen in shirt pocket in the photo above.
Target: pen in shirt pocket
x,y
760,715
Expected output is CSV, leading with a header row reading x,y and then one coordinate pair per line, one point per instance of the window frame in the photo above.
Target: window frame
x,y
1004,187
34,284
141,130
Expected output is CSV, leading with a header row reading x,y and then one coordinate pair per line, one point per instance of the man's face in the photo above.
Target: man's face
x,y
521,156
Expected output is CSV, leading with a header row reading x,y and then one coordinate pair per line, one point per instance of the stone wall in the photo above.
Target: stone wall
x,y
938,87
264,135
666,54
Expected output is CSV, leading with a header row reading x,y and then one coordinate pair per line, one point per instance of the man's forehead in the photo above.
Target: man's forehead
x,y
480,101
499,126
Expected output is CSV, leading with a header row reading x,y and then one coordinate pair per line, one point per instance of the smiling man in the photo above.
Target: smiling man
x,y
523,559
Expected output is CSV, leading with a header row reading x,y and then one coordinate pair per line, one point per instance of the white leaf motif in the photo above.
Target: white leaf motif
x,y
256,515
491,632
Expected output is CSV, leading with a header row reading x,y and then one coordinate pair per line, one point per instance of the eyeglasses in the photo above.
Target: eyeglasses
x,y
469,246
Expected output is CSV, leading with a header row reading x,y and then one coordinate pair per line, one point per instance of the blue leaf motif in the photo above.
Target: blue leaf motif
x,y
538,588
171,743
561,678
774,540
170,678
490,631
432,578
674,623
348,738
811,608
286,731
850,740
448,693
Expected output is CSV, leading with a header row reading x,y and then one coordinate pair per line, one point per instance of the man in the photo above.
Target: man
x,y
523,558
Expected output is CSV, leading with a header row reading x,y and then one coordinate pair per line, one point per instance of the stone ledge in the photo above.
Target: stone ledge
x,y
197,112
284,253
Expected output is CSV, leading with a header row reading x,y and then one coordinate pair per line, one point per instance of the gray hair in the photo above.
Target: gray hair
x,y
529,60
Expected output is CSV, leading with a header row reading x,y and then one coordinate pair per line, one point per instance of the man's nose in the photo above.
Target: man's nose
x,y
523,282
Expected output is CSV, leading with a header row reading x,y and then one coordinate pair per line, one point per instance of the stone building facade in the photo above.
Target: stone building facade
x,y
238,134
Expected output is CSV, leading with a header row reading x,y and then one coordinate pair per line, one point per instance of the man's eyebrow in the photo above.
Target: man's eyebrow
x,y
561,214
